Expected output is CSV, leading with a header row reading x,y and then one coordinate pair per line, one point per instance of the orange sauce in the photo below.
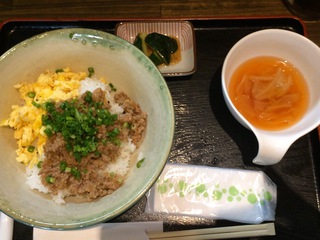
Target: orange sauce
x,y
269,92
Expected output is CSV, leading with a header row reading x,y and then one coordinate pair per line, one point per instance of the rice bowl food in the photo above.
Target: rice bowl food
x,y
83,145
126,79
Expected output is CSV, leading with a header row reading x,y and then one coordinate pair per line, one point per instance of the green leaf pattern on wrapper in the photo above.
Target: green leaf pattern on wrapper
x,y
232,193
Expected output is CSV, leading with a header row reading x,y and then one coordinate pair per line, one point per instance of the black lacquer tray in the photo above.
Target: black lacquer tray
x,y
206,133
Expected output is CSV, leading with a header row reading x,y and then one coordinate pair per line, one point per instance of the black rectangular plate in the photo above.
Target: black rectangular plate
x,y
206,133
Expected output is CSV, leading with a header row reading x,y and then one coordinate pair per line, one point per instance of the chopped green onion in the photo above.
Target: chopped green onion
x,y
39,164
113,89
77,156
63,166
98,105
113,133
31,94
37,105
68,169
49,106
76,173
48,131
139,163
88,97
97,153
116,142
31,149
71,35
91,71
113,136
59,70
78,121
50,179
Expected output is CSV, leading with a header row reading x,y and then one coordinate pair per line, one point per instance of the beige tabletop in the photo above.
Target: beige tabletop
x,y
12,9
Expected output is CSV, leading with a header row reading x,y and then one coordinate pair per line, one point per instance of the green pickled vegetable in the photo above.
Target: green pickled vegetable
x,y
140,43
158,43
156,59
157,47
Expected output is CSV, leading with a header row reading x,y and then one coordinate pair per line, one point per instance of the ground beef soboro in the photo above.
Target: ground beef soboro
x,y
91,181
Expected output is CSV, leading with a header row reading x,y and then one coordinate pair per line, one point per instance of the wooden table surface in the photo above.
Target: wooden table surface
x,y
10,9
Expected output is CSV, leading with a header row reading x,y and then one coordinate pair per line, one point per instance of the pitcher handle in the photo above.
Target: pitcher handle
x,y
271,149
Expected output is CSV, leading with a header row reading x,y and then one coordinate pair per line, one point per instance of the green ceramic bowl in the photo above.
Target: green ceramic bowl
x,y
128,69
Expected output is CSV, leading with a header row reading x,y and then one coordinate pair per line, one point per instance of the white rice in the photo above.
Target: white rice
x,y
115,107
120,166
91,84
59,198
34,181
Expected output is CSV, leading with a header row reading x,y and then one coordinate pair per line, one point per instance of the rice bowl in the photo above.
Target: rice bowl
x,y
131,72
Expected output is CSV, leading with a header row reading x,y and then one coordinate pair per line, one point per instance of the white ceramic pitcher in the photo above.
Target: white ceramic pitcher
x,y
299,51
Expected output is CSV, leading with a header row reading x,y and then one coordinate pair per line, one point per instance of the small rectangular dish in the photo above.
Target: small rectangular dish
x,y
182,31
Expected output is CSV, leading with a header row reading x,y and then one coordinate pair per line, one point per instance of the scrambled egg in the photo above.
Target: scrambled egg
x,y
26,119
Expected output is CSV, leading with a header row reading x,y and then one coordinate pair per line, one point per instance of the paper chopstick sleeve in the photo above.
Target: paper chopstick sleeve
x,y
244,196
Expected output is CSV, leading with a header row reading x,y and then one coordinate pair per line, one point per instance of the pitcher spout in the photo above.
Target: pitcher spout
x,y
266,160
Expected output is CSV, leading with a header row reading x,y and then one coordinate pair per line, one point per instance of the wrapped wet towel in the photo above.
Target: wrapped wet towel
x,y
244,196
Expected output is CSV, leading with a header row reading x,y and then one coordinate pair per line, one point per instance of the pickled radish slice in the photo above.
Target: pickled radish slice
x,y
269,92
